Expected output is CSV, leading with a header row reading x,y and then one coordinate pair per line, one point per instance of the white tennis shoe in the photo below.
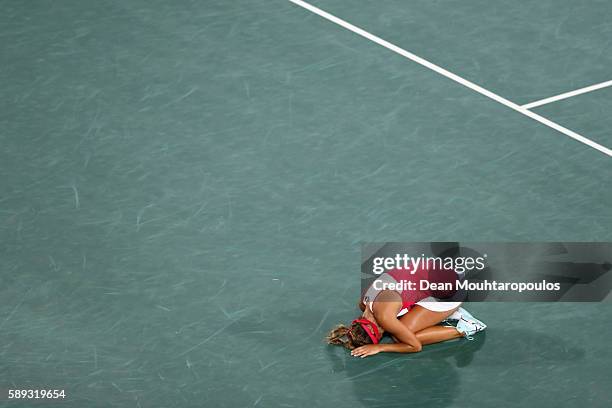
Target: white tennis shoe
x,y
467,324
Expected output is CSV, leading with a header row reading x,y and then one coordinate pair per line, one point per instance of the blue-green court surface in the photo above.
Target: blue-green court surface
x,y
184,187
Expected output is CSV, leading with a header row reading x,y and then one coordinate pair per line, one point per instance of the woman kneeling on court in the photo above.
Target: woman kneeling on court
x,y
411,317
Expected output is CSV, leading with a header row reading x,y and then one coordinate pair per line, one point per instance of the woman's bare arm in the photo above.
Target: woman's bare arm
x,y
407,342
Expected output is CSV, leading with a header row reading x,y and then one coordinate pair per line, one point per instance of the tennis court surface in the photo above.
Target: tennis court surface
x,y
184,187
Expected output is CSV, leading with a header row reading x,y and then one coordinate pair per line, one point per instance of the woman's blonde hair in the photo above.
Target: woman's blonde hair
x,y
348,337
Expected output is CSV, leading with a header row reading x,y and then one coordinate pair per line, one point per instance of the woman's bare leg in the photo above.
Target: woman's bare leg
x,y
436,334
423,323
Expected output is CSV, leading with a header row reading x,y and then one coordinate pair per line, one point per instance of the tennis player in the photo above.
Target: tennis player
x,y
412,317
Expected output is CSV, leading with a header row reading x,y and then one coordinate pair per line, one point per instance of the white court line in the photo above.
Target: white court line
x,y
452,76
567,95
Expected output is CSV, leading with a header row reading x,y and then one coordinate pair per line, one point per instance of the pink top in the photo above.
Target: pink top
x,y
411,297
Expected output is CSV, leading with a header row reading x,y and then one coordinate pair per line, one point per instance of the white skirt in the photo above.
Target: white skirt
x,y
436,305
433,304
429,303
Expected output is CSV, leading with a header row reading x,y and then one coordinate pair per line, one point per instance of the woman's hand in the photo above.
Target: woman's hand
x,y
367,350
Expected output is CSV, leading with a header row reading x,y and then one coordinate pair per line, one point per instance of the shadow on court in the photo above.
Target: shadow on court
x,y
434,375
404,380
527,347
